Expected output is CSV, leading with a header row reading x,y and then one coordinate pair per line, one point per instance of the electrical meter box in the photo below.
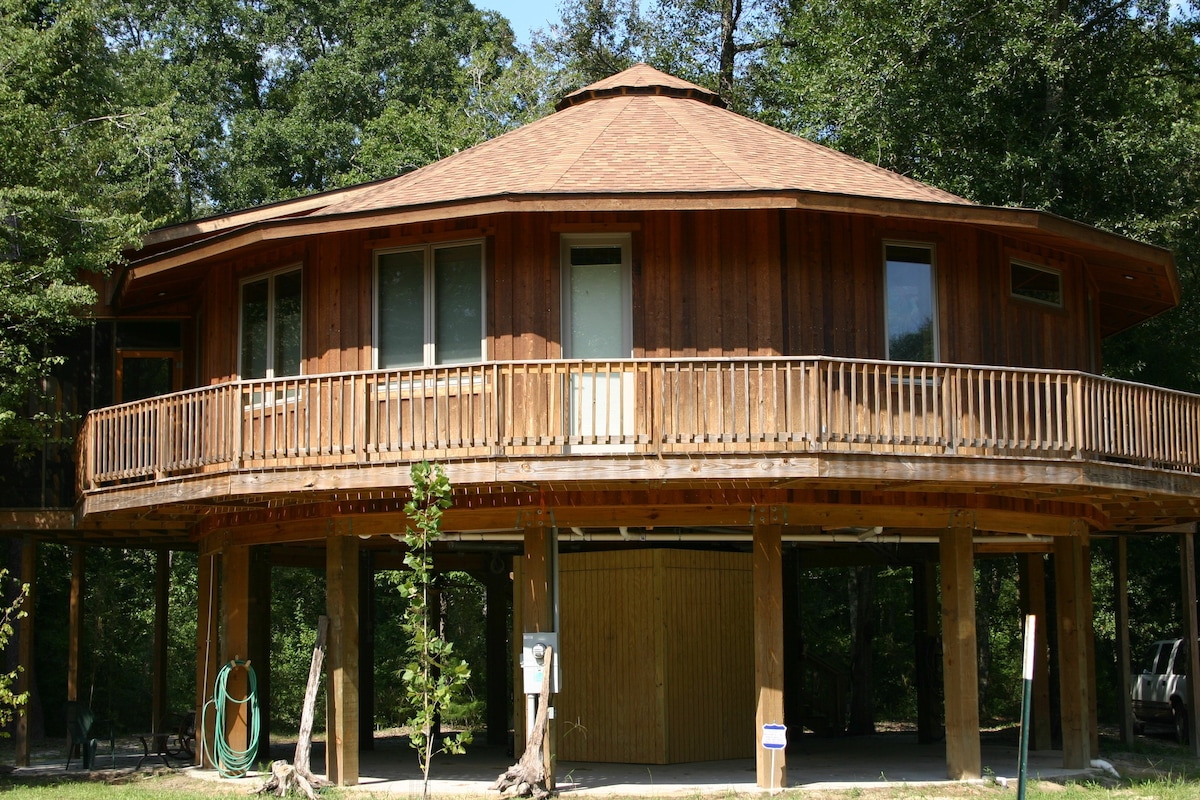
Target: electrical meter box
x,y
533,648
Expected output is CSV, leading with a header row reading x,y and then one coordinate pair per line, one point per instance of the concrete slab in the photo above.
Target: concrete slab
x,y
886,759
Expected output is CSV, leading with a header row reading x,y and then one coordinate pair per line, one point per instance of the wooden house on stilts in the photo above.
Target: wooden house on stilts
x,y
664,353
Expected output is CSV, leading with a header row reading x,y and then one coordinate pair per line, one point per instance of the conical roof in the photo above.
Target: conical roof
x,y
640,131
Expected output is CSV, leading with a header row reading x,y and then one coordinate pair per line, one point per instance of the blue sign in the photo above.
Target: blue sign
x,y
774,737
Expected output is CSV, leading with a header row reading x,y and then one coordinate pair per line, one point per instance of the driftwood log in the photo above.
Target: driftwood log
x,y
527,778
286,778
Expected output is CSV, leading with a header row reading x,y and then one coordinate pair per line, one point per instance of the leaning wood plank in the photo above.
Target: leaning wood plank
x,y
304,742
527,778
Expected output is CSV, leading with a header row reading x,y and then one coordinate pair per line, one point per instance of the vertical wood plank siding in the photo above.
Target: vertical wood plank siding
x,y
665,640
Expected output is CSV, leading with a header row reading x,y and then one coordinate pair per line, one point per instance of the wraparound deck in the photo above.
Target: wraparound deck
x,y
576,411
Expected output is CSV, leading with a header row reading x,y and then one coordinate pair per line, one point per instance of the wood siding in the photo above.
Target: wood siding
x,y
708,284
657,657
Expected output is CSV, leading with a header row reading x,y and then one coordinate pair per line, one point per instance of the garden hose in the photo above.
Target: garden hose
x,y
230,762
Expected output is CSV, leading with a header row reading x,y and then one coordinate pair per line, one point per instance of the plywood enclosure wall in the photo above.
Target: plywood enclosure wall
x,y
657,657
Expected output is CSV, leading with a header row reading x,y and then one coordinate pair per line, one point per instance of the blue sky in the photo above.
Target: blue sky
x,y
525,15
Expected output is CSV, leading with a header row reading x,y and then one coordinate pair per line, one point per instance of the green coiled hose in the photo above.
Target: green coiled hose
x,y
231,762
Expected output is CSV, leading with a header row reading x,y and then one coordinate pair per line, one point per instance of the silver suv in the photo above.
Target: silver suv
x,y
1159,692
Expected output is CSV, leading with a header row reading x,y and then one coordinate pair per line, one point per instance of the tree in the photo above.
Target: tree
x,y
78,170
434,678
10,701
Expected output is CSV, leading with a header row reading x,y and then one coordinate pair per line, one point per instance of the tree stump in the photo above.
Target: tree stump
x,y
286,779
527,778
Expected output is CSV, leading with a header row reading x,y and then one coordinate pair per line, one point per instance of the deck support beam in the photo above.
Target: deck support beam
x,y
771,765
1073,684
158,669
366,651
959,654
925,653
207,650
235,644
75,624
259,651
1124,652
1033,601
537,612
341,599
1187,567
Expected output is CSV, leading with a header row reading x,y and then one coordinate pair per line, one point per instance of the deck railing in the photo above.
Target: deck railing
x,y
702,406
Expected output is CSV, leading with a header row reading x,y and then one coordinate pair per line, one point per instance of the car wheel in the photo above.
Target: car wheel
x,y
1181,724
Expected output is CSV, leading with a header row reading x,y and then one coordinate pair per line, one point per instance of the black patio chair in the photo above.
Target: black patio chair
x,y
85,733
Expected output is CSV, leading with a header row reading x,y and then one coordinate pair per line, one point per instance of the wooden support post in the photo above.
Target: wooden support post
x,y
341,600
1187,564
499,596
1072,652
960,671
235,641
207,652
158,668
926,653
1088,629
771,765
366,651
1124,653
1032,571
25,650
259,651
75,631
537,607
793,642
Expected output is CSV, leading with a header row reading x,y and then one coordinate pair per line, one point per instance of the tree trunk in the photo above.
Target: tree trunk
x,y
304,741
527,778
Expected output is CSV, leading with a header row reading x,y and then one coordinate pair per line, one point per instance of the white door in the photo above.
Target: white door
x,y
597,326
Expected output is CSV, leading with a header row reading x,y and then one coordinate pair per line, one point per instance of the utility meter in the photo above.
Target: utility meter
x,y
533,661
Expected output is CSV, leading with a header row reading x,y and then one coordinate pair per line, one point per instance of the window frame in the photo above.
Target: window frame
x,y
933,299
1027,264
269,276
623,240
429,301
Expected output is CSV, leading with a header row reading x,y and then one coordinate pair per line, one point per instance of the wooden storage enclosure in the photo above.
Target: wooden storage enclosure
x,y
657,656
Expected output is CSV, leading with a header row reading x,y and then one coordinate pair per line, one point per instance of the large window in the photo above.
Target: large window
x,y
1038,284
911,303
429,305
271,325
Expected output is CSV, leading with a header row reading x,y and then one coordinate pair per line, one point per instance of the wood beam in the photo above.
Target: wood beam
x,y
235,642
207,652
366,650
1124,652
25,650
1191,630
770,765
959,655
499,597
926,649
75,623
1074,702
259,651
1088,628
158,669
537,603
1033,601
341,599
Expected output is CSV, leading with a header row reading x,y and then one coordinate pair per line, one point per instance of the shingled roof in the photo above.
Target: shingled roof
x,y
640,131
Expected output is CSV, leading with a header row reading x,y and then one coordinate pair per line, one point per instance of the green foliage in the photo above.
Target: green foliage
x,y
434,678
12,611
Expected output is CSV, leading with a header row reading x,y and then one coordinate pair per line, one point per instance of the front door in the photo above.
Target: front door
x,y
598,331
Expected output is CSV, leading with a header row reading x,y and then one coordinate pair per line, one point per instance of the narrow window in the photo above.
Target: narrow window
x,y
429,305
911,307
271,326
1038,284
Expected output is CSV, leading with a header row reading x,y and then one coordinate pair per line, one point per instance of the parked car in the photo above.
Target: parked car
x,y
1159,690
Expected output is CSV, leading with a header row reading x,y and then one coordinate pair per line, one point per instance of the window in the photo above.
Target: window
x,y
271,325
429,305
911,324
1038,284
